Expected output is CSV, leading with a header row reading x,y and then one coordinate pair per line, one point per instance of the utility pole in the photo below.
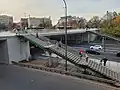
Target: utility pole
x,y
103,43
65,27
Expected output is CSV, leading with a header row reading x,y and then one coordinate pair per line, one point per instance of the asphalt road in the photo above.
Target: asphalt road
x,y
109,48
110,53
17,78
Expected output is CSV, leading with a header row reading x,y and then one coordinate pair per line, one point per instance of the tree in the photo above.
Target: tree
x,y
74,24
40,25
112,26
117,19
82,22
24,24
94,22
115,14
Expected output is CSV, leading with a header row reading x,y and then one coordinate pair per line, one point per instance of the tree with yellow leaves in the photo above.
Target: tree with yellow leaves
x,y
111,27
117,19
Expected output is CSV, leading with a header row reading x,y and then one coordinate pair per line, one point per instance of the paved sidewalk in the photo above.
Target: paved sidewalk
x,y
115,66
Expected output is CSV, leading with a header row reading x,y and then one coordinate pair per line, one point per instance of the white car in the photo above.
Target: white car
x,y
97,47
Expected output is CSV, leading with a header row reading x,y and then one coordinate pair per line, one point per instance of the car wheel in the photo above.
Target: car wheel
x,y
117,55
96,53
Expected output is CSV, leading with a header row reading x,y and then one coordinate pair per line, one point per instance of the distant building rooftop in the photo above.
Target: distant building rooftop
x,y
7,34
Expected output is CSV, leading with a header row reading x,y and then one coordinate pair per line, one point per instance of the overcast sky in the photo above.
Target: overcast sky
x,y
55,8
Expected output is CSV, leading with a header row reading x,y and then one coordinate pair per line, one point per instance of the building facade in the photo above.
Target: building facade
x,y
6,20
72,22
34,22
24,22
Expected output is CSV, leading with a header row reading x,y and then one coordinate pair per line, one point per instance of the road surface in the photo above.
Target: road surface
x,y
110,53
17,78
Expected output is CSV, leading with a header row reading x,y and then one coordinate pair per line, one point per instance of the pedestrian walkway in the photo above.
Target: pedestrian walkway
x,y
115,66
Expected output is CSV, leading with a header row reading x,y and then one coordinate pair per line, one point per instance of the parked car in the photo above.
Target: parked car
x,y
91,51
118,54
97,47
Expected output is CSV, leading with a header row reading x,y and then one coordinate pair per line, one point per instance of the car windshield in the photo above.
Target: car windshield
x,y
97,45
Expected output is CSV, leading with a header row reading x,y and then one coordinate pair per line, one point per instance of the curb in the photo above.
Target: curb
x,y
39,67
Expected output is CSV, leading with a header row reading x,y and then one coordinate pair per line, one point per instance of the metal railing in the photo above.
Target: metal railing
x,y
70,49
52,42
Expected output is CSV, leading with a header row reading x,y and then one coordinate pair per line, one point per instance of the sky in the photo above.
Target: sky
x,y
55,8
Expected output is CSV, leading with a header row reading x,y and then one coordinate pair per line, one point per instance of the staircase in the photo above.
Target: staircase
x,y
73,57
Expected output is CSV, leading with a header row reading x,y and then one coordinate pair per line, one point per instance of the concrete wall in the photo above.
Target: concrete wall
x,y
85,37
4,58
18,50
92,37
75,38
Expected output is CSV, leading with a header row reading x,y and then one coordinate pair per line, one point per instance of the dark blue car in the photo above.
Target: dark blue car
x,y
118,54
91,51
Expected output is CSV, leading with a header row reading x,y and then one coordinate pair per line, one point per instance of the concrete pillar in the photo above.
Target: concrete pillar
x,y
118,42
76,39
27,51
103,43
61,38
82,37
27,58
50,61
88,37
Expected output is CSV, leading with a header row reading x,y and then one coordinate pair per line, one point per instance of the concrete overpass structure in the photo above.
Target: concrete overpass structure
x,y
74,36
20,50
16,48
13,48
78,36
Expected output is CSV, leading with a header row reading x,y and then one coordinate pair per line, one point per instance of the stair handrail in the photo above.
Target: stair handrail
x,y
55,41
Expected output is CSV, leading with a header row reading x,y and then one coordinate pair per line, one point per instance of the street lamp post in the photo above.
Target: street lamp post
x,y
65,27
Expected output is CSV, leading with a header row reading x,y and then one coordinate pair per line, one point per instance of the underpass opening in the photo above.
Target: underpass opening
x,y
4,58
36,52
